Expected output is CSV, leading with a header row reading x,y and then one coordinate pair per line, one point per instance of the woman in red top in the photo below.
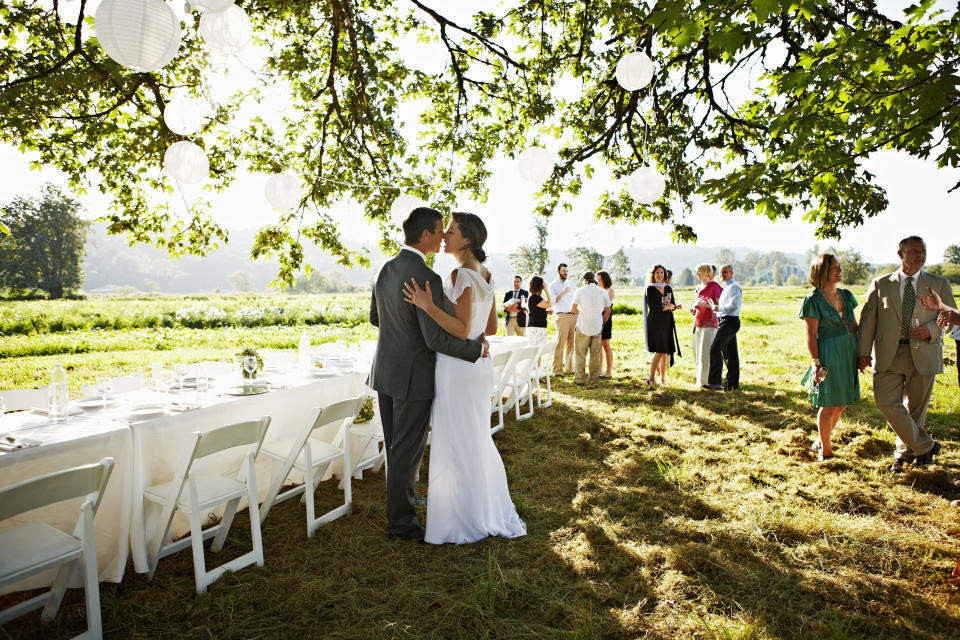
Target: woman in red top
x,y
705,321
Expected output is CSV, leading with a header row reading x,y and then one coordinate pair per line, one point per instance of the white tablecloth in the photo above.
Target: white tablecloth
x,y
146,453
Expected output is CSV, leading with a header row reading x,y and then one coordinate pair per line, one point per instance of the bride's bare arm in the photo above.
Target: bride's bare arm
x,y
492,321
456,325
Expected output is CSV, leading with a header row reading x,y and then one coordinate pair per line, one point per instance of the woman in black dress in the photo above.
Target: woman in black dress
x,y
537,305
659,322
606,332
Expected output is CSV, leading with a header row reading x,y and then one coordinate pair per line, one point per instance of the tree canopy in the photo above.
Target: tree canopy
x,y
768,106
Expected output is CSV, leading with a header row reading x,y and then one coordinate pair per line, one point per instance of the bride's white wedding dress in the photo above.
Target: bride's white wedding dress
x,y
467,494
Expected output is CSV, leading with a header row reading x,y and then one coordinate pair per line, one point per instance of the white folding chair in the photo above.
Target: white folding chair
x,y
312,456
365,436
33,547
502,375
194,492
544,369
522,391
24,399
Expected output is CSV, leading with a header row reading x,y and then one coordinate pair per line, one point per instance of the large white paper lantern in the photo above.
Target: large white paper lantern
x,y
606,240
142,35
283,191
186,162
210,6
402,206
634,71
646,185
227,31
535,164
185,114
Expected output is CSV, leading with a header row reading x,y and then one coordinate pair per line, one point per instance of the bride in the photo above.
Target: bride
x,y
467,494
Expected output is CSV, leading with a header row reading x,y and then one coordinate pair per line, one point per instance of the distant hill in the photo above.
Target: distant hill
x,y
112,264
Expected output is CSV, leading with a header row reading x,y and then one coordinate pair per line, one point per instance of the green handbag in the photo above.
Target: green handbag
x,y
813,387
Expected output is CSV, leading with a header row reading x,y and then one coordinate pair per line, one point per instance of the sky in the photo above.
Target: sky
x,y
916,190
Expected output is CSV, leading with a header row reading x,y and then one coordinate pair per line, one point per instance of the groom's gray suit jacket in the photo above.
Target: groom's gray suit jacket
x,y
409,339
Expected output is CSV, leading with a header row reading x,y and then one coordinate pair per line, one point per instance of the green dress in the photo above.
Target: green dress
x,y
838,348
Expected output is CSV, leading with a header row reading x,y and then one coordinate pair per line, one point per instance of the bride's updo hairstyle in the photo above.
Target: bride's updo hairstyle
x,y
472,228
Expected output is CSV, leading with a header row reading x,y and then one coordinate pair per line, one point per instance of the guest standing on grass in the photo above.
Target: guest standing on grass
x,y
606,283
705,323
591,307
907,351
724,347
537,304
561,294
832,343
514,303
946,318
659,323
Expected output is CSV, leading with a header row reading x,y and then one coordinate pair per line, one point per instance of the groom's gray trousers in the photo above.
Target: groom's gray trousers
x,y
405,425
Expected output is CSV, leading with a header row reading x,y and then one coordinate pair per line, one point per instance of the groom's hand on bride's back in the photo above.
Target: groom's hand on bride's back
x,y
486,346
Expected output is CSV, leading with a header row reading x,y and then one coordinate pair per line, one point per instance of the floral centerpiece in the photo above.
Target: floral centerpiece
x,y
251,352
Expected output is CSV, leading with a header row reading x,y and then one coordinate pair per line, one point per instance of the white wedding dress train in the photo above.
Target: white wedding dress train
x,y
467,494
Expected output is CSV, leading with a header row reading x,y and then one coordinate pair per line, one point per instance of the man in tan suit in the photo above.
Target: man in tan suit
x,y
907,350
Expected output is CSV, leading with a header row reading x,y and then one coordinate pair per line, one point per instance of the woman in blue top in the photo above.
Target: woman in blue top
x,y
832,342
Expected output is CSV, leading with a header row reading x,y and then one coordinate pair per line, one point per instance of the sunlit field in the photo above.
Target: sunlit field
x,y
667,513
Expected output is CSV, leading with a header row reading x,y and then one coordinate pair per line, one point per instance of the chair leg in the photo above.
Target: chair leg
x,y
196,544
255,532
91,578
225,523
60,584
308,490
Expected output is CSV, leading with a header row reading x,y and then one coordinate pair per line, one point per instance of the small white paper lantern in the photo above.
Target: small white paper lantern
x,y
227,31
646,185
142,35
634,71
210,6
283,191
186,162
185,114
606,240
535,164
402,206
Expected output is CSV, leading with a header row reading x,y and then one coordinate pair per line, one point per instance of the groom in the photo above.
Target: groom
x,y
402,371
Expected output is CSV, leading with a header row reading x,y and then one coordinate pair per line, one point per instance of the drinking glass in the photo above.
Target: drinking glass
x,y
915,323
250,365
156,375
104,389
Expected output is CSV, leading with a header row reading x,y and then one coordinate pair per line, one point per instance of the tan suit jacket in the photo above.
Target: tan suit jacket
x,y
880,323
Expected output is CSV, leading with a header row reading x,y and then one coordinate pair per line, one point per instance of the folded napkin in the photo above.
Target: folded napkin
x,y
10,442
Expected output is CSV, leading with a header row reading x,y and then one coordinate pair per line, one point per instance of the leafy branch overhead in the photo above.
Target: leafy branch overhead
x,y
768,106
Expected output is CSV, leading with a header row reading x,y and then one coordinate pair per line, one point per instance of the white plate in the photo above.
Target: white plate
x,y
148,410
94,403
249,390
322,373
74,411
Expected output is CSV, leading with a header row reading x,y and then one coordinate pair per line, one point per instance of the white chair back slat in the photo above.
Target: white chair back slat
x,y
24,399
55,487
232,435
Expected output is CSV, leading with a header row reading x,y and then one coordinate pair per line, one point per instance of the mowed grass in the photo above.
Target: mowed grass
x,y
674,513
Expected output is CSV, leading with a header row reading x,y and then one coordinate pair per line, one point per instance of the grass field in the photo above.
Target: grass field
x,y
673,513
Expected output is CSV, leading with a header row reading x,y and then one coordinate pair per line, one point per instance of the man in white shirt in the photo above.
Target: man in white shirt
x,y
591,307
907,350
724,347
561,295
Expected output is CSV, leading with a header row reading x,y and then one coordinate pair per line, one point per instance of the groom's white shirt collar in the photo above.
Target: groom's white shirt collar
x,y
416,251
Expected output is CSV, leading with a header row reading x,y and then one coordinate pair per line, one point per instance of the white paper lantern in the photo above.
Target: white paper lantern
x,y
142,35
210,6
185,114
646,185
186,162
634,71
535,164
227,31
606,240
402,206
283,191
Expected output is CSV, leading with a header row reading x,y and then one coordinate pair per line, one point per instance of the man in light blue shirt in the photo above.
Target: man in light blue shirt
x,y
724,347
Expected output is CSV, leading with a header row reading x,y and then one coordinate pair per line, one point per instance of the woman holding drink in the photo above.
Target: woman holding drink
x,y
832,343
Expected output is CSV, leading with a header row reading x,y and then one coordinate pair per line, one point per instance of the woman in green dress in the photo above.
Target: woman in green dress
x,y
832,342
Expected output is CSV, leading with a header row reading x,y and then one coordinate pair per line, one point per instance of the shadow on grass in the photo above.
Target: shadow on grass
x,y
622,543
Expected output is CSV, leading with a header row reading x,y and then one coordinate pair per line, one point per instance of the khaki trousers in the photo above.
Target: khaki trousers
x,y
513,328
902,395
585,344
566,322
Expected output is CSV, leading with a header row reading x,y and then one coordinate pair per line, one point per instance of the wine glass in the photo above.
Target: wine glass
x,y
104,389
915,323
250,366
